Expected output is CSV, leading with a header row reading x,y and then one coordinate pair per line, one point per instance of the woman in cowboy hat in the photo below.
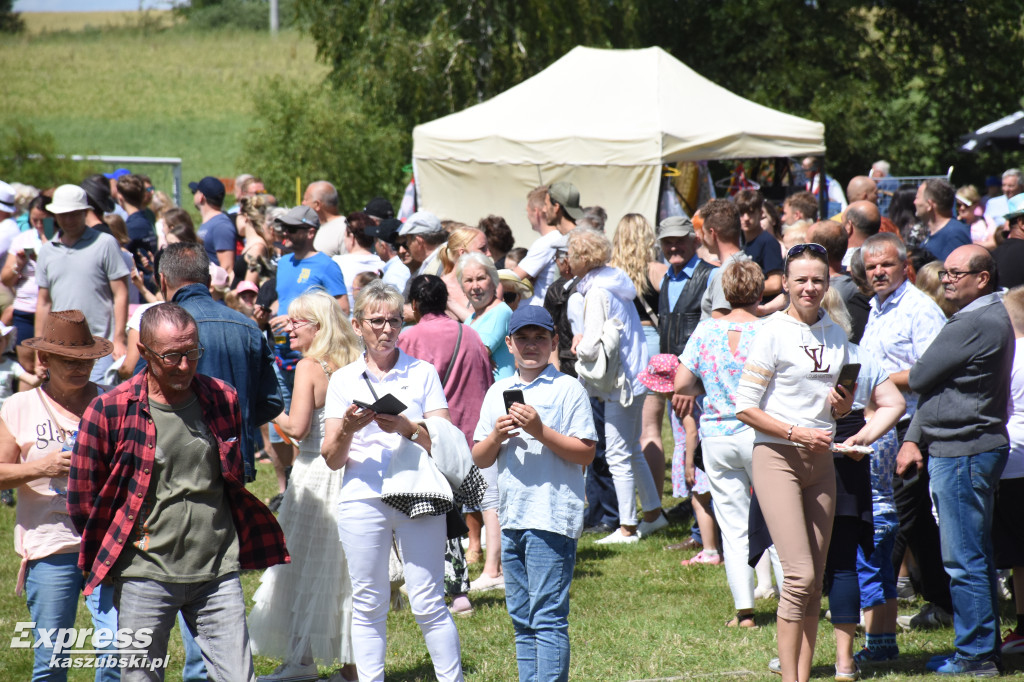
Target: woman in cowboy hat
x,y
37,432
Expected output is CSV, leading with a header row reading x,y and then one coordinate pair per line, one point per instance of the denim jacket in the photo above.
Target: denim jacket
x,y
236,352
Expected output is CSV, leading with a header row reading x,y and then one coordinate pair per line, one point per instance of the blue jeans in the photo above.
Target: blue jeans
x,y
53,586
875,573
538,569
214,610
963,492
194,669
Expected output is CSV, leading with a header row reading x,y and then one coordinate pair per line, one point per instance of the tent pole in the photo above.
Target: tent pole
x,y
822,189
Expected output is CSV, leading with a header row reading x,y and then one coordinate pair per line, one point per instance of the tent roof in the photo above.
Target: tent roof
x,y
616,107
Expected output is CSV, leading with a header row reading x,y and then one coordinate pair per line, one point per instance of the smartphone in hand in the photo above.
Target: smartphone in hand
x,y
513,395
848,377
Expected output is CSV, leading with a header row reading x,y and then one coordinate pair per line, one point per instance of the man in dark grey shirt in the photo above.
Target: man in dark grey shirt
x,y
963,380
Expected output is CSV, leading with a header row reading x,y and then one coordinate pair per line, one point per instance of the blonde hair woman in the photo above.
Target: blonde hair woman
x,y
634,251
303,610
462,240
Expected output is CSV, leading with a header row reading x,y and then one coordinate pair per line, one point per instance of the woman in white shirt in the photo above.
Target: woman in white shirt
x,y
362,441
786,394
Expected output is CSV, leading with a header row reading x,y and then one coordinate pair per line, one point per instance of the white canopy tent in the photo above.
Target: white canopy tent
x,y
605,120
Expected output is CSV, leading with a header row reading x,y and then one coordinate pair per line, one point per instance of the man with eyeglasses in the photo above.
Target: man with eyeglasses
x,y
902,324
156,455
964,383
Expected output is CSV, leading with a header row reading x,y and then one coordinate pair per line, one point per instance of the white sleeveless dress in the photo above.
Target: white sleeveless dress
x,y
310,599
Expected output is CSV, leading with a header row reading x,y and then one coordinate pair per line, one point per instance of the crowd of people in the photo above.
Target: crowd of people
x,y
842,391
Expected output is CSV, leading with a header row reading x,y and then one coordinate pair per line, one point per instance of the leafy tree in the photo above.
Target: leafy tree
x,y
900,79
30,157
10,21
324,134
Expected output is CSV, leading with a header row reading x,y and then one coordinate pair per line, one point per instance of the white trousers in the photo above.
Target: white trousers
x,y
365,528
729,465
629,470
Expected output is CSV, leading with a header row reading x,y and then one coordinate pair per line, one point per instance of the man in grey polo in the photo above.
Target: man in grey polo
x,y
82,269
963,381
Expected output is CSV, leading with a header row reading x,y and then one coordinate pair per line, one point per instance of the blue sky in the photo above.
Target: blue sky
x,y
86,5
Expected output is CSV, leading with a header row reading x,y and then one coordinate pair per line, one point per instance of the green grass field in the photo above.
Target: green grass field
x,y
636,615
121,91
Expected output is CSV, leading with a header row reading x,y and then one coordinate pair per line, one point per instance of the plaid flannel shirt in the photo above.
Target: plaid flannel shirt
x,y
110,475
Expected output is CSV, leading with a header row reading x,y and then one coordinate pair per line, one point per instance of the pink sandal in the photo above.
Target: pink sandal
x,y
703,557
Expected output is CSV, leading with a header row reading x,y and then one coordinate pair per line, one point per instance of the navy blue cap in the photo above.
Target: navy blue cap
x,y
211,187
386,231
530,316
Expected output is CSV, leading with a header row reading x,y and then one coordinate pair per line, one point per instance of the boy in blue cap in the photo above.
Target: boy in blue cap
x,y
542,444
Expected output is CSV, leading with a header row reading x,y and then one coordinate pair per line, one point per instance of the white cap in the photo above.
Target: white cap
x,y
67,199
7,198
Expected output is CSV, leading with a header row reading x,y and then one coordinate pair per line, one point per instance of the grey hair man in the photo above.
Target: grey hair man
x,y
998,207
322,197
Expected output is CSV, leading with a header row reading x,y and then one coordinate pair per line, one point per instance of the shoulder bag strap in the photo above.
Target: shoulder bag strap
x,y
455,353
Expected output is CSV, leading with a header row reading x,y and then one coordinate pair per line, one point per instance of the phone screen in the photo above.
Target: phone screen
x,y
511,396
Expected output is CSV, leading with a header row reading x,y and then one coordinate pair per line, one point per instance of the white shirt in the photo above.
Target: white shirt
x,y
899,331
996,208
330,238
539,263
8,231
412,381
789,371
26,292
1015,424
352,264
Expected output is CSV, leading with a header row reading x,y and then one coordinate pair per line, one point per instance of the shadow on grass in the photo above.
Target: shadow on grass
x,y
424,672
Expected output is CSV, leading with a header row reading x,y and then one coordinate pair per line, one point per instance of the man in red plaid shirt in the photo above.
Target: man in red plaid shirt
x,y
156,489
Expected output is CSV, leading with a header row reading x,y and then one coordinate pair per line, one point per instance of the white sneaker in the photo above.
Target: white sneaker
x,y
617,538
292,672
645,529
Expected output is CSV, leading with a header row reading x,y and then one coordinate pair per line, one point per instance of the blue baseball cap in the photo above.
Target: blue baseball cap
x,y
119,173
211,187
530,316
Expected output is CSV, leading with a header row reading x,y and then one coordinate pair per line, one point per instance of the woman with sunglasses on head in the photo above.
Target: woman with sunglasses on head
x,y
303,610
786,394
38,429
362,441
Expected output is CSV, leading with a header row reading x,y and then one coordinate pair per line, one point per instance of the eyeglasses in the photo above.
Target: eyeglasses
x,y
174,359
377,323
955,276
297,324
811,246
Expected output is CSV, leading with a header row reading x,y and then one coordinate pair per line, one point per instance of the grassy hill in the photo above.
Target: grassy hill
x,y
116,83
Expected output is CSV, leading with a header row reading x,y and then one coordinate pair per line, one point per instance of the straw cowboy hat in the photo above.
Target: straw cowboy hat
x,y
66,333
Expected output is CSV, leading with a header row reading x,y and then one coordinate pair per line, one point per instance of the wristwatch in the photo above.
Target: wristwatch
x,y
415,433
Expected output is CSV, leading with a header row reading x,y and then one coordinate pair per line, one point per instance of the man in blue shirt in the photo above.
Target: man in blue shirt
x,y
934,207
217,231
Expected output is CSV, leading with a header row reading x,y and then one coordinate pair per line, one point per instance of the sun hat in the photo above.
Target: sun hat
x,y
420,222
66,333
1015,207
246,285
512,282
6,197
676,226
567,196
660,375
68,199
530,316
